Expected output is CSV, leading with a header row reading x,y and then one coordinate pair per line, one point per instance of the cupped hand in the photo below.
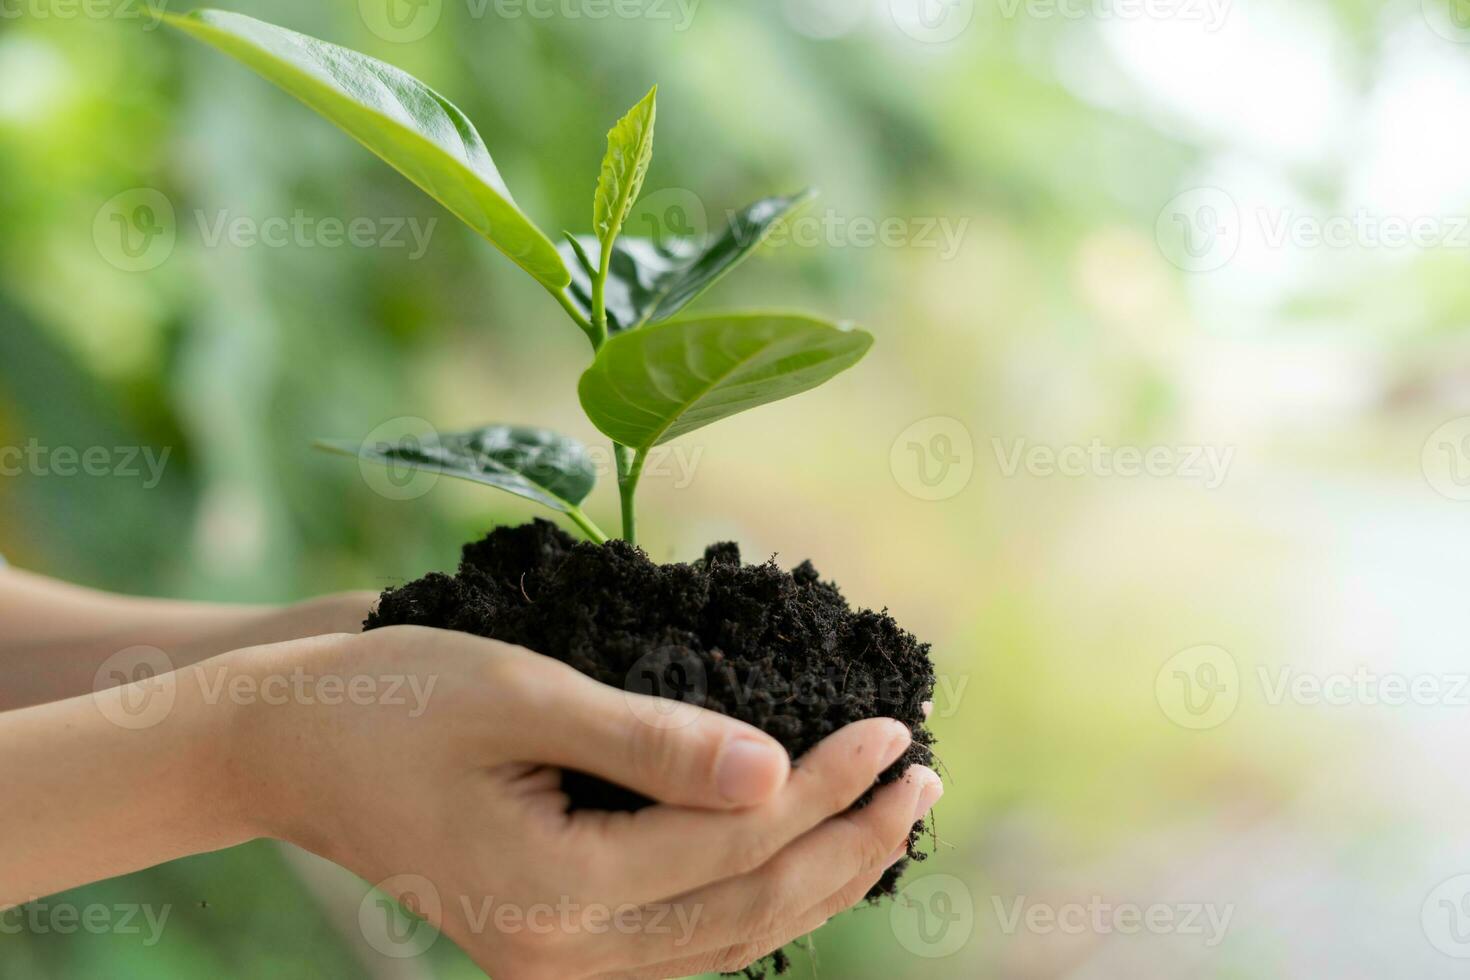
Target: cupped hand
x,y
441,782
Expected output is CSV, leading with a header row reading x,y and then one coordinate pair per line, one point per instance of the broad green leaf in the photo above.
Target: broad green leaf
x,y
629,149
652,385
533,463
651,280
411,127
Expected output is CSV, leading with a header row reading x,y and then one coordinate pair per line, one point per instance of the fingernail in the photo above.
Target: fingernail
x,y
932,790
899,853
749,771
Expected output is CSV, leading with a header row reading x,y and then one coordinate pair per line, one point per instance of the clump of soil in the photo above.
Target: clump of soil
x,y
780,650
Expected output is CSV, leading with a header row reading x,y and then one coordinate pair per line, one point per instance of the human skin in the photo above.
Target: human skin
x,y
458,787
57,636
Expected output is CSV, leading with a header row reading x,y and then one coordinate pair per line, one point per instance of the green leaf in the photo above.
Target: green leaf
x,y
536,464
411,127
651,280
652,385
629,149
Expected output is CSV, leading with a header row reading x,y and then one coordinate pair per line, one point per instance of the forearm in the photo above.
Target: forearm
x,y
36,610
56,638
108,783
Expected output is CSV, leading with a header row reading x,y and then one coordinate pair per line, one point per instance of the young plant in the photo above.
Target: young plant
x,y
654,376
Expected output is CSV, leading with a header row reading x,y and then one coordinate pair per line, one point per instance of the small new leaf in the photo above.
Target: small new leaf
x,y
649,281
649,386
629,149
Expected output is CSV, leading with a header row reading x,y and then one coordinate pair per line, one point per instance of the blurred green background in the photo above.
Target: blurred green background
x,y
1081,228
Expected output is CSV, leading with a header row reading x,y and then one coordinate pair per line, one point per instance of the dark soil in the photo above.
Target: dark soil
x,y
780,650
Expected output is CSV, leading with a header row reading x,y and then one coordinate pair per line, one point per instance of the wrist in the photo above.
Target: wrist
x,y
268,750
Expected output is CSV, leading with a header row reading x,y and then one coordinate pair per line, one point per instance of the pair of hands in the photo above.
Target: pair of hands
x,y
428,762
459,809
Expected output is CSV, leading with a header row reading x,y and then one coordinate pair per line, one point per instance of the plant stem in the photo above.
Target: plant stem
x,y
630,468
585,523
599,296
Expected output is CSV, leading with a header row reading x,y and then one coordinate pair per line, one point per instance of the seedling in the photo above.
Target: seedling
x,y
655,375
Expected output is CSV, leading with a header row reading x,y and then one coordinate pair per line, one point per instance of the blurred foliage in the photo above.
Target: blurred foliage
x,y
1050,145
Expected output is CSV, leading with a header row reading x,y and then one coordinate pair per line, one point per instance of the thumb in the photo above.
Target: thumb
x,y
667,750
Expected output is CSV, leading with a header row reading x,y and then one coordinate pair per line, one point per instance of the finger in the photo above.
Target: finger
x,y
662,851
736,958
796,888
668,751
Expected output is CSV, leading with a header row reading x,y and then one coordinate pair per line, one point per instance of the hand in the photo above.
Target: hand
x,y
459,788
